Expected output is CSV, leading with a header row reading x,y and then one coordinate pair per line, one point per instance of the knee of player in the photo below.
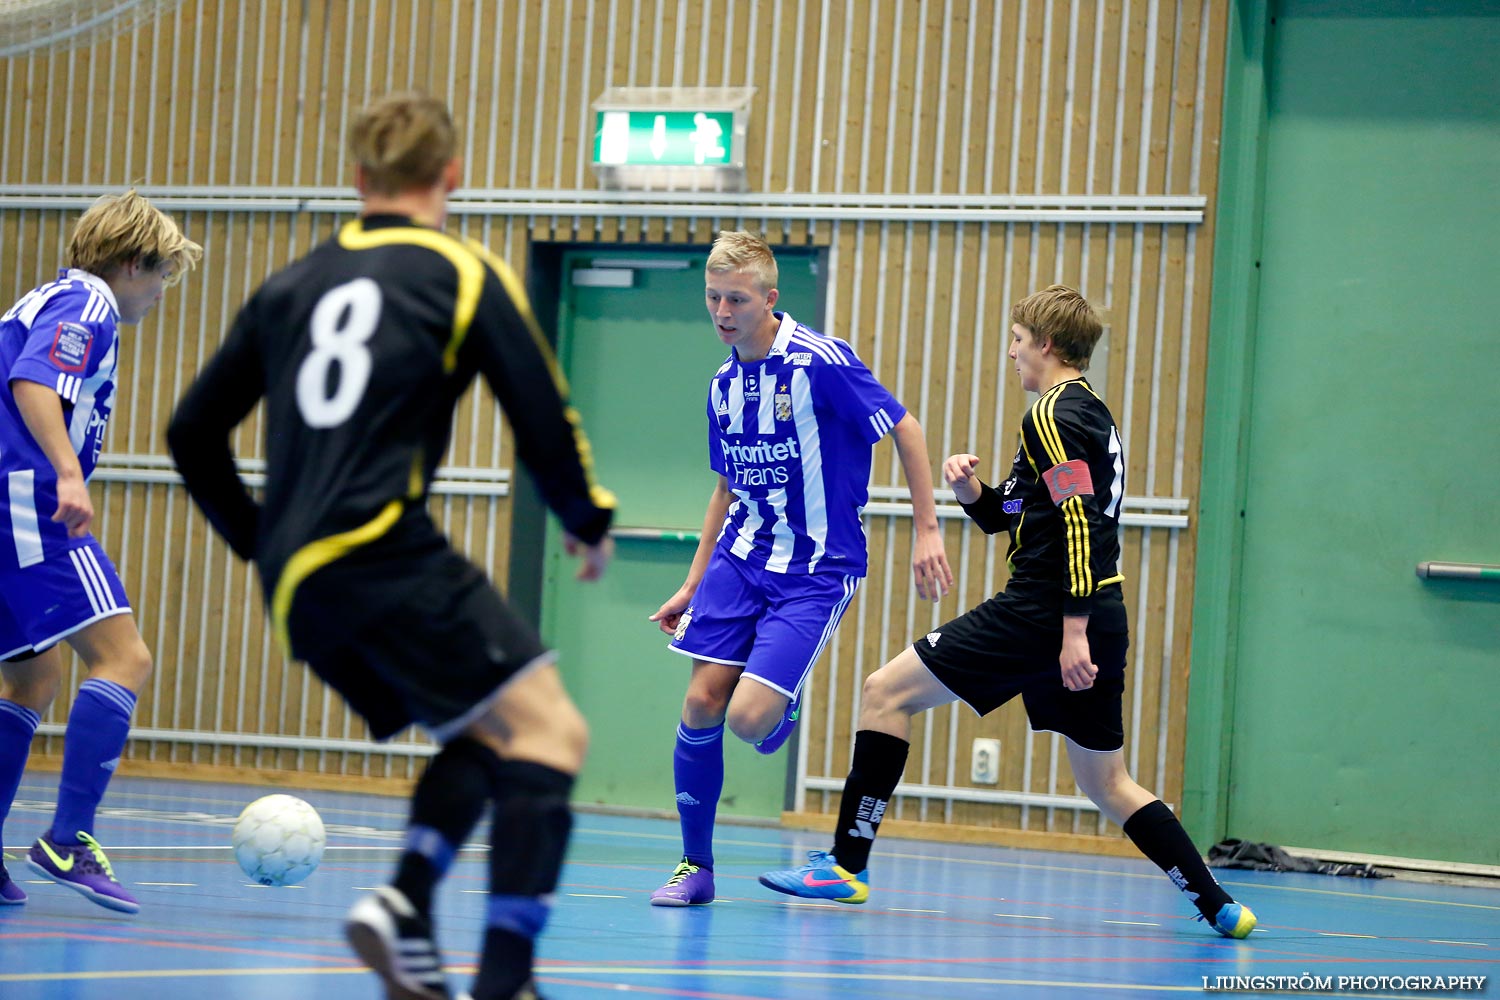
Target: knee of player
x,y
31,683
703,709
135,666
752,723
878,694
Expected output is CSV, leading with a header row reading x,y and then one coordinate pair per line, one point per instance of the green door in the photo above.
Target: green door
x,y
636,342
1364,708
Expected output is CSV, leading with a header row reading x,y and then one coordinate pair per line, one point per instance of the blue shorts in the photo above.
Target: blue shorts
x,y
51,600
773,624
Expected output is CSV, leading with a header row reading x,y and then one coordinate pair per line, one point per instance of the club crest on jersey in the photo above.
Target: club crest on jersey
x,y
70,347
783,406
803,358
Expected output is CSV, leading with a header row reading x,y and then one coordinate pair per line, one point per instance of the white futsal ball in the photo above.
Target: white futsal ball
x,y
278,840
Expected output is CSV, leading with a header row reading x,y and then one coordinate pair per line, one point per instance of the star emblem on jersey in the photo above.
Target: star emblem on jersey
x,y
933,637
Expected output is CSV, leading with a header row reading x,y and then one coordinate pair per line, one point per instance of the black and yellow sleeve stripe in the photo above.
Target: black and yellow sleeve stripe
x,y
1081,581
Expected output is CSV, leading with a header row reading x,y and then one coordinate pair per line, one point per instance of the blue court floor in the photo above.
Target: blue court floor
x,y
946,922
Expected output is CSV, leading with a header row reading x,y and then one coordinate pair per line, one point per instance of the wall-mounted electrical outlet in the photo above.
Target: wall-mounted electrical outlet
x,y
986,763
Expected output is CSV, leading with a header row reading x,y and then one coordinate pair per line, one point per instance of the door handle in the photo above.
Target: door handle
x,y
1458,571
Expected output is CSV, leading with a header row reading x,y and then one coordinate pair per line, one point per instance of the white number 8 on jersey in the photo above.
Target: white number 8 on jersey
x,y
344,319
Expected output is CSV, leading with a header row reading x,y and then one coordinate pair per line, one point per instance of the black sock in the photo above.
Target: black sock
x,y
874,773
527,843
447,803
1161,838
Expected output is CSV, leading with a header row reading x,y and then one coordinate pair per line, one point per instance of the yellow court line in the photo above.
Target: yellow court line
x,y
543,971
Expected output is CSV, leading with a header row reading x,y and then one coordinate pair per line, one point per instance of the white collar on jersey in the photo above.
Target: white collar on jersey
x,y
782,338
783,335
95,282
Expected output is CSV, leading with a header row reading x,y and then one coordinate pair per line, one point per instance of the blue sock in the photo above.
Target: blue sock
x,y
97,728
513,923
698,767
17,726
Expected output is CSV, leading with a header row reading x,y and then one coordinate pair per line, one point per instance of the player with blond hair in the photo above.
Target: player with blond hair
x,y
792,417
59,348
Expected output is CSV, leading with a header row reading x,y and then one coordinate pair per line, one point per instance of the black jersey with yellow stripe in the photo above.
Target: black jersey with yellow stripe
x,y
1061,501
361,350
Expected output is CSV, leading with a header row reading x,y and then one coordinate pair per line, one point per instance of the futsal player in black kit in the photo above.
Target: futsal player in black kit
x,y
361,350
1056,636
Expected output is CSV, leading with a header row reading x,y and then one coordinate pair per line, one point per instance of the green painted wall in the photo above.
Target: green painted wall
x,y
1341,702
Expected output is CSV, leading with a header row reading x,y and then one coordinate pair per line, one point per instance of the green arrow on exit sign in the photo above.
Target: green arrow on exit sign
x,y
664,138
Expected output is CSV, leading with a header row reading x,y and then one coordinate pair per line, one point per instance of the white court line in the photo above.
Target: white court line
x,y
1466,944
1023,916
903,909
592,895
1134,923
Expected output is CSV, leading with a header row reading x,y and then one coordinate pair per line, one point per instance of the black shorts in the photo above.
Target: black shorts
x,y
416,638
1006,646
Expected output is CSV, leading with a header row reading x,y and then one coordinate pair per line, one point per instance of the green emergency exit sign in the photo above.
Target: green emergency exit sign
x,y
664,138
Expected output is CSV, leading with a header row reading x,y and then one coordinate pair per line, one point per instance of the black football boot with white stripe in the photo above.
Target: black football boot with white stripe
x,y
396,941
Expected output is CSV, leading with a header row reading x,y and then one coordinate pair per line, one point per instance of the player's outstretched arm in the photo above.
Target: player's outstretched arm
x,y
929,562
958,473
41,408
593,560
670,612
985,506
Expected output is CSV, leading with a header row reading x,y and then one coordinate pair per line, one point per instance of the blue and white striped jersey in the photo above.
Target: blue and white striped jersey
x,y
792,434
62,335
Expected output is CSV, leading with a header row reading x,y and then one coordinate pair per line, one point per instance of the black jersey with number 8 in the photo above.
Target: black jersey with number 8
x,y
361,350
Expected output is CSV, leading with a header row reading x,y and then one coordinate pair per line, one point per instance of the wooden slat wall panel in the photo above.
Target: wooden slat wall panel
x,y
959,97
